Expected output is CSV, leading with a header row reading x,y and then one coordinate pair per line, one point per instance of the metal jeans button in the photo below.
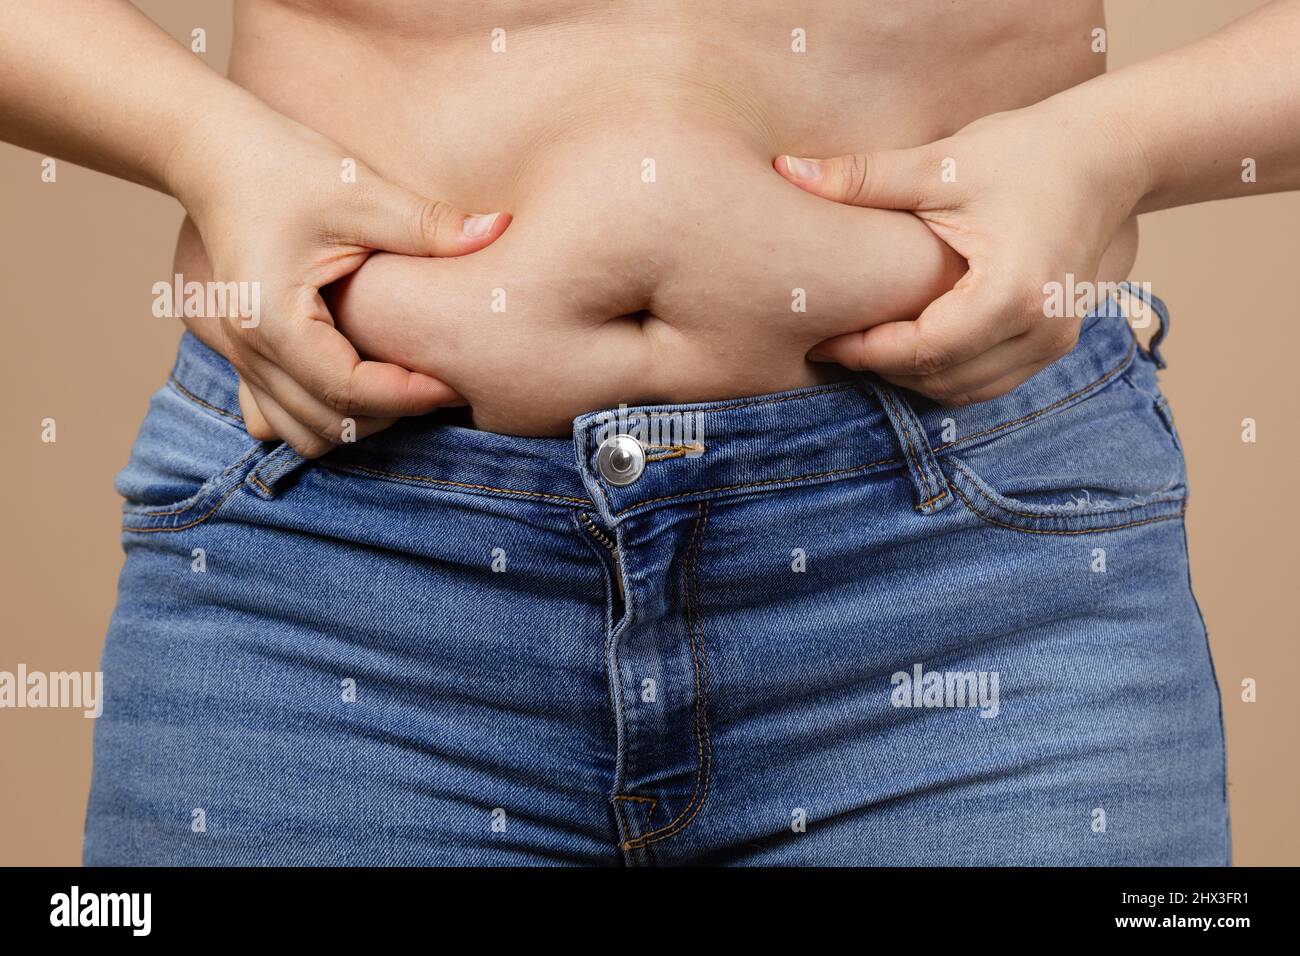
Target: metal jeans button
x,y
620,460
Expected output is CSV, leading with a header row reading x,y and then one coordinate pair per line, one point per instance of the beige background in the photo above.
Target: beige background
x,y
78,257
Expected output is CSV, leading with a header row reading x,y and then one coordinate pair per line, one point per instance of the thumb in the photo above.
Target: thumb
x,y
254,421
885,179
956,327
396,220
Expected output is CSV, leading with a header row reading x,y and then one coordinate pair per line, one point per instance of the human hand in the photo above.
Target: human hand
x,y
279,212
1027,197
713,284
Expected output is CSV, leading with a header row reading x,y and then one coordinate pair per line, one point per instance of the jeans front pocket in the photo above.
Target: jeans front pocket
x,y
1109,462
187,460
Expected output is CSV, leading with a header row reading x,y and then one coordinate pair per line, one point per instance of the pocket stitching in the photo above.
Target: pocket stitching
x,y
1063,531
189,396
1164,500
146,529
214,487
190,503
1066,401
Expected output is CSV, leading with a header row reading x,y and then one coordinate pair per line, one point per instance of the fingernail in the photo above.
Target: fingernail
x,y
806,169
476,227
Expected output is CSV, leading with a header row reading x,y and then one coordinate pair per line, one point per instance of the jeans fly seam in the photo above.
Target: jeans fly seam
x,y
614,629
649,810
626,828
615,591
703,742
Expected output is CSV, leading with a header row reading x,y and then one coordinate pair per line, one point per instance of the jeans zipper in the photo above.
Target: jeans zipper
x,y
608,543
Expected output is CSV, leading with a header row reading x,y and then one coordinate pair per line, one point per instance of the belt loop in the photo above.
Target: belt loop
x,y
281,462
1162,313
932,493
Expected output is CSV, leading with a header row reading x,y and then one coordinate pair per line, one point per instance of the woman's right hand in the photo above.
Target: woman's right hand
x,y
279,205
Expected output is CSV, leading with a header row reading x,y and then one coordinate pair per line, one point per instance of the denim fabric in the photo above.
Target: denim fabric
x,y
840,625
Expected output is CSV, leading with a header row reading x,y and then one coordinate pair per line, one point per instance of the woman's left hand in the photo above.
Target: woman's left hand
x,y
1028,198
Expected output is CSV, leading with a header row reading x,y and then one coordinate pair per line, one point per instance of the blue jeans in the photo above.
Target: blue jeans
x,y
840,625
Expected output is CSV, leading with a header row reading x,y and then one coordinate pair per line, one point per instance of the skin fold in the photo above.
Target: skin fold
x,y
654,255
391,171
710,282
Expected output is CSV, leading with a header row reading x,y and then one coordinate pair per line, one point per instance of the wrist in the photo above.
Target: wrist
x,y
220,128
1113,153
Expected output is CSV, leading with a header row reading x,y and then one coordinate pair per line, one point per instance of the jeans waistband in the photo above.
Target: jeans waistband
x,y
696,451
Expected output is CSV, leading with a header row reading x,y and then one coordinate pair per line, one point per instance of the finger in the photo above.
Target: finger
x,y
309,411
336,375
986,376
885,179
254,421
971,318
995,388
303,440
396,220
306,439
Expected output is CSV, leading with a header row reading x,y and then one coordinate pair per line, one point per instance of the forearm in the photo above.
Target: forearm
x,y
1194,115
99,84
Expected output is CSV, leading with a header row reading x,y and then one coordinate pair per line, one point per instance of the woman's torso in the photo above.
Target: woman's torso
x,y
654,255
